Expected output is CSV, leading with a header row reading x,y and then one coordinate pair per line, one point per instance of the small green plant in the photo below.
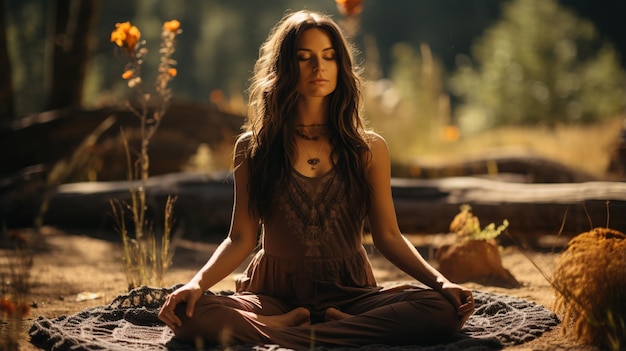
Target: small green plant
x,y
467,226
144,264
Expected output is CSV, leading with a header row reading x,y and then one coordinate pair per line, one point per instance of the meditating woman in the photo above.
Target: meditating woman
x,y
307,177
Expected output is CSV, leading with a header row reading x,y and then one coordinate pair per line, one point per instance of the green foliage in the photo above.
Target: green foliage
x,y
410,108
224,37
490,231
25,41
539,64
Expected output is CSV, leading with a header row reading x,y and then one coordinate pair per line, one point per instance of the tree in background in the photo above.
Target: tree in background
x,y
71,23
49,45
7,108
539,64
219,48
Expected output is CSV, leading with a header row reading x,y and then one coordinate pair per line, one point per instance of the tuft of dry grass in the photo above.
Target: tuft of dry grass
x,y
590,286
15,282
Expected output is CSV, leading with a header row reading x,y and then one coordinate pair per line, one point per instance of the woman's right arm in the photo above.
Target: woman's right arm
x,y
241,240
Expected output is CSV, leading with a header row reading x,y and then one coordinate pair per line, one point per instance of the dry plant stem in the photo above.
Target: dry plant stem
x,y
63,168
127,259
166,253
526,247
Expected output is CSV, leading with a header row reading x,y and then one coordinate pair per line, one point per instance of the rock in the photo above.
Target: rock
x,y
474,260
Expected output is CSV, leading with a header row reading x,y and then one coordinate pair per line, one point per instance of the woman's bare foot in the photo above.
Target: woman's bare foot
x,y
295,318
333,314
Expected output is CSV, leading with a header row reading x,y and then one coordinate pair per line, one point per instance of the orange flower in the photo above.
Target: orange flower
x,y
7,308
125,35
172,72
133,36
451,133
349,7
118,37
119,34
128,74
172,26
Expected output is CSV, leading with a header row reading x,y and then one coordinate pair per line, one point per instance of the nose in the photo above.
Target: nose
x,y
318,65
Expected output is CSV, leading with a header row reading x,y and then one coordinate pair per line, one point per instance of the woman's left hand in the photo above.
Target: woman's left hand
x,y
461,298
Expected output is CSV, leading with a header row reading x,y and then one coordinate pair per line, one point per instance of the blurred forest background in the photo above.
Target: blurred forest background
x,y
445,78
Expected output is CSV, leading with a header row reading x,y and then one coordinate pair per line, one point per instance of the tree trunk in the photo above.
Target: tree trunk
x,y
71,25
7,103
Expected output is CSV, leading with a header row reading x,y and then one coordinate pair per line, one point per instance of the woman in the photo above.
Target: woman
x,y
308,175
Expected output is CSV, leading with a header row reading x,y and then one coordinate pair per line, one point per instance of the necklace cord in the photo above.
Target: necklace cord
x,y
302,134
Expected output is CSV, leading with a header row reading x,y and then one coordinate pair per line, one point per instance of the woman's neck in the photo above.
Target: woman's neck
x,y
312,111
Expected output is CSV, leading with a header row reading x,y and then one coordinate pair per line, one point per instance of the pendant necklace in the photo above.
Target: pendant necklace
x,y
313,161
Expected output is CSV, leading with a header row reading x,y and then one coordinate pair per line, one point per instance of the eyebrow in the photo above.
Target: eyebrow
x,y
309,50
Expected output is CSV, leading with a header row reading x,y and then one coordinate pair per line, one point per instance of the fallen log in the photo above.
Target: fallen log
x,y
519,164
204,204
533,210
42,139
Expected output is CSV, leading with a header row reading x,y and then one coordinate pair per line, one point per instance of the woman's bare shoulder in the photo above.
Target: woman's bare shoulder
x,y
241,148
244,139
375,140
379,151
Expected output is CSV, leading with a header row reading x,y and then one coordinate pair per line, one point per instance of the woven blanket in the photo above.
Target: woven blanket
x,y
130,323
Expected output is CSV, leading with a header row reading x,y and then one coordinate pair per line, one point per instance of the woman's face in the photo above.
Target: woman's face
x,y
317,62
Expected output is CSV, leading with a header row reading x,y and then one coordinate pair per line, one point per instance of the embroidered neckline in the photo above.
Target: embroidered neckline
x,y
311,206
321,176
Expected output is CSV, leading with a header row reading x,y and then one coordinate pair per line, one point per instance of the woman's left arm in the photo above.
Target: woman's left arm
x,y
389,240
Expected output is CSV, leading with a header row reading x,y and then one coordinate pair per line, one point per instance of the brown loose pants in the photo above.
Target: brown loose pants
x,y
412,316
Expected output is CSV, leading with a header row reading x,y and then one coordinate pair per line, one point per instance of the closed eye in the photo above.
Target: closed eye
x,y
306,54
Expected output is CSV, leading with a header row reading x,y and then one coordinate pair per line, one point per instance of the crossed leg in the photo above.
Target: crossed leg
x,y
238,319
392,318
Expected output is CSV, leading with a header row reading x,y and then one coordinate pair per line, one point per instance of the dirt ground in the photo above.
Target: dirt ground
x,y
67,266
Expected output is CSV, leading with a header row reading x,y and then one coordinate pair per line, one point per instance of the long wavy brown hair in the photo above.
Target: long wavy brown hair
x,y
272,111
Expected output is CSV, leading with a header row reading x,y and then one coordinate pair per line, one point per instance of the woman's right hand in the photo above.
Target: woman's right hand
x,y
189,293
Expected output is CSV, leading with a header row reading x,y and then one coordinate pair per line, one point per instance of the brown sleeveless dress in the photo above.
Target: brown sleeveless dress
x,y
312,254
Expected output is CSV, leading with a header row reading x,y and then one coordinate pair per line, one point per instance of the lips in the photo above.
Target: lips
x,y
319,81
